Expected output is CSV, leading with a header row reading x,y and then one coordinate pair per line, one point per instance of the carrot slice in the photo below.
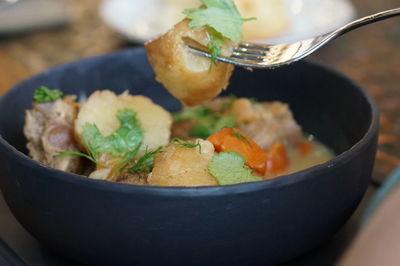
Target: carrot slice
x,y
304,147
277,160
232,139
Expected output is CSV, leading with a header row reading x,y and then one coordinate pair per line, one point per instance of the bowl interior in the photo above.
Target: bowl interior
x,y
326,105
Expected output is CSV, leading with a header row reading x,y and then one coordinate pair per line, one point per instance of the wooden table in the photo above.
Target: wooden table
x,y
370,56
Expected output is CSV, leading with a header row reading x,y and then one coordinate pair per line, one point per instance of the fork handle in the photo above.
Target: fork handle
x,y
367,20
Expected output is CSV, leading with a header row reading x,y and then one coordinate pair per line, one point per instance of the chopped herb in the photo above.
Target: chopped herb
x,y
253,100
192,113
206,121
186,144
121,142
145,163
124,142
228,104
44,94
215,46
222,19
240,136
209,125
124,162
228,168
76,153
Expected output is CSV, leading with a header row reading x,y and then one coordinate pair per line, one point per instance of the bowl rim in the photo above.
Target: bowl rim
x,y
200,191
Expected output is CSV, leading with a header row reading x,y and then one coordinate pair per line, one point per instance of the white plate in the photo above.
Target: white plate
x,y
30,15
140,20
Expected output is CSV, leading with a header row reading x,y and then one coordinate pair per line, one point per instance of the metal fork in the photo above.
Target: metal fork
x,y
257,55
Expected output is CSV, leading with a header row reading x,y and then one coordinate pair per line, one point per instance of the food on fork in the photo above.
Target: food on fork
x,y
215,27
188,77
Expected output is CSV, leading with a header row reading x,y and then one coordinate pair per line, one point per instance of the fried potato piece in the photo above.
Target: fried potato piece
x,y
187,76
102,106
180,166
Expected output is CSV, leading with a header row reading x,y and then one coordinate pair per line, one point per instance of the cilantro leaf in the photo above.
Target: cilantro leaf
x,y
126,138
206,121
227,105
221,18
220,15
192,113
44,94
207,126
125,142
228,168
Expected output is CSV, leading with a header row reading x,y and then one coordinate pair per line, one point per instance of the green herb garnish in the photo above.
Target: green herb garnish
x,y
192,113
215,45
125,139
186,144
44,95
228,168
77,153
221,18
227,105
206,126
206,121
124,142
145,163
240,136
253,100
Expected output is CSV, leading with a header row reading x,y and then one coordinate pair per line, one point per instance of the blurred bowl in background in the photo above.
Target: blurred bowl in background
x,y
278,21
19,16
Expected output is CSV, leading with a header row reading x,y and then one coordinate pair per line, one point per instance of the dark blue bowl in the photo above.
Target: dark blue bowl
x,y
269,222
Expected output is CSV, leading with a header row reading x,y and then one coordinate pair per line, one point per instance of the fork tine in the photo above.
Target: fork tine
x,y
254,46
246,51
248,57
238,59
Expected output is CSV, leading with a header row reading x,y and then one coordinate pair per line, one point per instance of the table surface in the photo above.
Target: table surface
x,y
370,56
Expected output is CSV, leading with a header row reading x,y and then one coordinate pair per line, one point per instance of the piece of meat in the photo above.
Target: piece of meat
x,y
245,111
133,179
276,123
49,130
181,129
124,177
220,104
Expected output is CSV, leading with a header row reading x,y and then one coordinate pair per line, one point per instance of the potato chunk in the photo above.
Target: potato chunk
x,y
180,166
187,76
102,106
